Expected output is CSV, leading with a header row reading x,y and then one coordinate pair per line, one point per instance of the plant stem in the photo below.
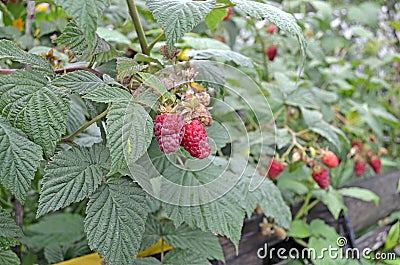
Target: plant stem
x,y
138,26
303,208
162,250
7,71
157,39
18,217
59,71
73,69
86,125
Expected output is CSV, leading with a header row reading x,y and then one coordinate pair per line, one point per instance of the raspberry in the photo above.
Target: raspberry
x,y
330,159
195,140
321,176
271,29
169,131
375,163
228,14
275,168
359,168
271,52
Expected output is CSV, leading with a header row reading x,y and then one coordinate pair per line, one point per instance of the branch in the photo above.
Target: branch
x,y
154,42
86,125
59,71
138,26
7,71
18,217
73,69
30,17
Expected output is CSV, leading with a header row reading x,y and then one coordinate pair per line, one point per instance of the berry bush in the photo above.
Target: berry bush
x,y
128,126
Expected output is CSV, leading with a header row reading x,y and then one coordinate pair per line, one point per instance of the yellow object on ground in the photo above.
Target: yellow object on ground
x,y
18,24
181,55
94,258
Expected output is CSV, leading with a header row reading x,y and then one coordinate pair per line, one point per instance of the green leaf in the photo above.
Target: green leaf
x,y
177,17
218,134
222,216
9,50
393,237
9,258
62,228
108,95
56,253
112,36
332,199
361,194
153,82
184,257
318,228
215,17
182,237
30,103
71,176
127,67
227,55
19,160
73,38
299,229
268,196
81,82
281,19
130,130
147,261
315,123
8,228
115,220
86,13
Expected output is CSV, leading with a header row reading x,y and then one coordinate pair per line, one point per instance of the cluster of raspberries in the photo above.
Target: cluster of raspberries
x,y
319,173
171,131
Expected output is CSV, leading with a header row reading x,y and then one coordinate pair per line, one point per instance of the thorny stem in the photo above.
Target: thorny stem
x,y
18,217
59,71
138,26
86,125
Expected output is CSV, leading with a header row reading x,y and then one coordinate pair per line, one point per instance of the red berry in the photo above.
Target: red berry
x,y
275,168
271,52
271,29
375,163
169,131
195,140
330,159
321,176
228,14
359,168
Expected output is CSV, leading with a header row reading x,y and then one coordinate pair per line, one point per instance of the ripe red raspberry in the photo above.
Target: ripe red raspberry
x,y
275,168
359,168
271,52
321,176
228,14
169,131
330,159
375,163
195,140
271,29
